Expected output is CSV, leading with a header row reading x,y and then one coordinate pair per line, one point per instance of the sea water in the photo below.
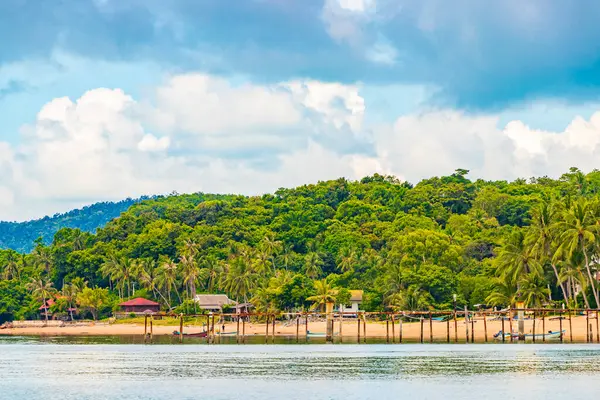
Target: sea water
x,y
99,369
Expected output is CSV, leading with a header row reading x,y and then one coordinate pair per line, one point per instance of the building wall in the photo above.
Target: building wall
x,y
353,307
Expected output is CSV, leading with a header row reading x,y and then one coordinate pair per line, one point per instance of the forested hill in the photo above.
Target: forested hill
x,y
20,236
408,247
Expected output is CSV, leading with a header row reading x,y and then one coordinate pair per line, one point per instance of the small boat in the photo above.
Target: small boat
x,y
227,333
315,334
197,334
548,335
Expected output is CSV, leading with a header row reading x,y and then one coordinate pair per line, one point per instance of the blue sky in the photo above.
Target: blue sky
x,y
362,86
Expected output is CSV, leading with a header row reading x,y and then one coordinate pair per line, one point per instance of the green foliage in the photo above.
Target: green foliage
x,y
405,246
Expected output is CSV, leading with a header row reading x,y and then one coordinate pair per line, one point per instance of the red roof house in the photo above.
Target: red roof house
x,y
140,305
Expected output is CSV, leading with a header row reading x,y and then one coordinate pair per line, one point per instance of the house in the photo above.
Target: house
x,y
356,297
216,302
44,309
140,306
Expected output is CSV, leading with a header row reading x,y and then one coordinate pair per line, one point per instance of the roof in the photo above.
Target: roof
x,y
214,300
49,303
356,295
139,302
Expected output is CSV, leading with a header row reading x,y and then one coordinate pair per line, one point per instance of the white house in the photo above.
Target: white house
x,y
356,297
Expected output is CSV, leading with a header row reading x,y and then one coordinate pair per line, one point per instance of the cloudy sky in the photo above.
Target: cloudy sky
x,y
107,99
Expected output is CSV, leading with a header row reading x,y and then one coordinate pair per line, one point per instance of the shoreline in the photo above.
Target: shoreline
x,y
411,331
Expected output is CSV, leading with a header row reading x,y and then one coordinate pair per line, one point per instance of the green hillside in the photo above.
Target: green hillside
x,y
20,236
407,247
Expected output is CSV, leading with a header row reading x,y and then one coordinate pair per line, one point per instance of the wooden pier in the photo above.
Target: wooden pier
x,y
396,326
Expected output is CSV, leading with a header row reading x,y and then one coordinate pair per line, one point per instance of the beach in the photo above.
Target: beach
x,y
411,331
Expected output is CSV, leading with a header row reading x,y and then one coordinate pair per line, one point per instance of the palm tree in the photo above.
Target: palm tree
x,y
312,265
240,279
41,291
167,277
534,290
542,237
212,270
517,259
190,272
347,260
578,231
11,269
412,298
273,247
325,294
504,293
43,258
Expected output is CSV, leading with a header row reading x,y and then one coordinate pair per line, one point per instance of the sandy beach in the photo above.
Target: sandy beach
x,y
411,331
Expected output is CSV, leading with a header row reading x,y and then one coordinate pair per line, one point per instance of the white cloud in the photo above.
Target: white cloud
x,y
210,135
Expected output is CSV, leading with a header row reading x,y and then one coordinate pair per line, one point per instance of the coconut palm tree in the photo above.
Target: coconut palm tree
x,y
312,265
42,291
167,278
11,268
534,291
543,239
503,293
517,259
347,260
43,258
578,231
273,247
240,279
325,294
190,273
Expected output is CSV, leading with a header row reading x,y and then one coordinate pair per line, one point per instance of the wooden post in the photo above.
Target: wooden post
x,y
473,328
393,329
430,328
208,328
510,323
591,333
151,330
421,329
387,330
181,328
273,331
448,330
306,326
244,330
503,331
534,327
364,328
588,335
485,327
597,329
467,324
358,320
267,330
560,317
341,326
297,328
145,326
543,326
455,327
400,327
570,328
237,329
213,328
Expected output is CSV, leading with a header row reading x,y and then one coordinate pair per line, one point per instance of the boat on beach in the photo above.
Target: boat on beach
x,y
529,336
197,334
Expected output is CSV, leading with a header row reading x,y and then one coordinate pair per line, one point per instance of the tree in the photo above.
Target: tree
x,y
578,232
42,291
325,294
312,265
93,300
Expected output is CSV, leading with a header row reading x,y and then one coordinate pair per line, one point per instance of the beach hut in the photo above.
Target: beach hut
x,y
356,298
214,302
44,309
140,306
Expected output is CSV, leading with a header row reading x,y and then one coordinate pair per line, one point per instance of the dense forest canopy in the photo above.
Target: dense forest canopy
x,y
407,247
21,236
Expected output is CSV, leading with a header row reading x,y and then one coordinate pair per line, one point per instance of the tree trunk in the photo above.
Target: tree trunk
x,y
589,271
46,309
562,286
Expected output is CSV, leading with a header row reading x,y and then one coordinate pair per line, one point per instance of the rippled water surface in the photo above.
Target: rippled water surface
x,y
31,368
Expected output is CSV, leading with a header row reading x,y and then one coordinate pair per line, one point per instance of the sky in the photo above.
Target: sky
x,y
106,99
